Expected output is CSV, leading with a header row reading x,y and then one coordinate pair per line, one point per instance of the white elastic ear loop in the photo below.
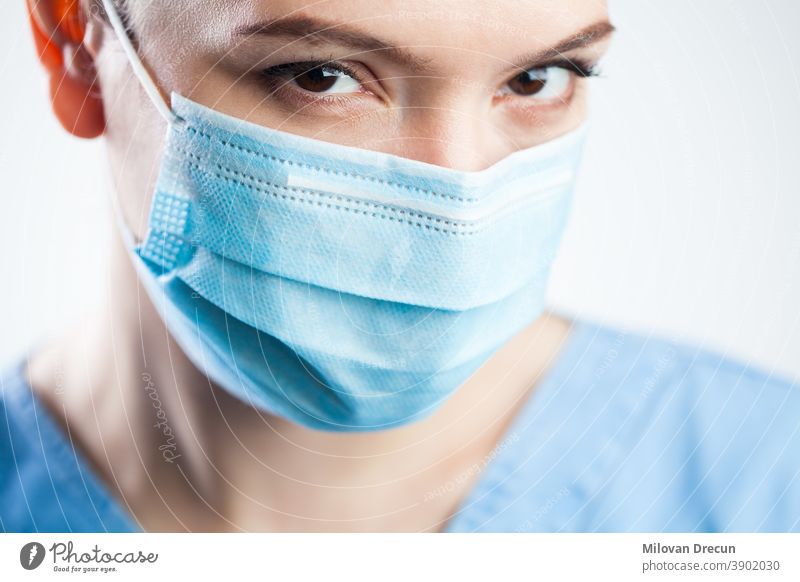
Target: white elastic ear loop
x,y
136,63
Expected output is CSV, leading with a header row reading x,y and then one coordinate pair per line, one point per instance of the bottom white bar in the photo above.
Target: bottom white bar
x,y
388,557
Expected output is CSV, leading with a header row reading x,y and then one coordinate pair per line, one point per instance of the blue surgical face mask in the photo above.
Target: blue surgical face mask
x,y
343,289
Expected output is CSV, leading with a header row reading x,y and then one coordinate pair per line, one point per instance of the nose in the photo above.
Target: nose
x,y
448,138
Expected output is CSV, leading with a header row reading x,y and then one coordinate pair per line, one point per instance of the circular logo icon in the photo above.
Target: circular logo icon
x,y
31,555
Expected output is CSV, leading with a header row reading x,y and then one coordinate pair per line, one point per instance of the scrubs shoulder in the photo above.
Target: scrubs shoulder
x,y
45,484
625,433
632,433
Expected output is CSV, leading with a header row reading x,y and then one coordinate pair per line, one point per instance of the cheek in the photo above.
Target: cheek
x,y
134,140
526,125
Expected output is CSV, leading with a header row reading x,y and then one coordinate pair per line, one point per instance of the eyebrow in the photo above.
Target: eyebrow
x,y
320,31
584,38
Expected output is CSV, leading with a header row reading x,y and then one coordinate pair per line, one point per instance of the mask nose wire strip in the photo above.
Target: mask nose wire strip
x,y
136,63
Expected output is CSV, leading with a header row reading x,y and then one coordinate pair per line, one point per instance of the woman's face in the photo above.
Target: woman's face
x,y
457,83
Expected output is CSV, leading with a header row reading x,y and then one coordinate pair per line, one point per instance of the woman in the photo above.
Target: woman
x,y
337,220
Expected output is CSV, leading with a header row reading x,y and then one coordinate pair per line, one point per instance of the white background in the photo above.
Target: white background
x,y
686,223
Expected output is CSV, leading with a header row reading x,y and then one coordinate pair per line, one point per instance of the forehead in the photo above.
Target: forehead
x,y
501,27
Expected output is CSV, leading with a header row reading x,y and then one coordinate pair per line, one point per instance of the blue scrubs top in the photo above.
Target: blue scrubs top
x,y
625,433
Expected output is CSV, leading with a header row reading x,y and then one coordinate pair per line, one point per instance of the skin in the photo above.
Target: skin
x,y
228,467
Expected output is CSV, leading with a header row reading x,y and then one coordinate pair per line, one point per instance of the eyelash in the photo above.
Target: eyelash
x,y
279,76
291,70
578,66
288,71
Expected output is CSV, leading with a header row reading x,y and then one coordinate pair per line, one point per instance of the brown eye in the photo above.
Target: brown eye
x,y
326,80
316,80
529,83
543,83
315,77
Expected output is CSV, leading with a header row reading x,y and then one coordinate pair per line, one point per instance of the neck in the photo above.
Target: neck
x,y
183,454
